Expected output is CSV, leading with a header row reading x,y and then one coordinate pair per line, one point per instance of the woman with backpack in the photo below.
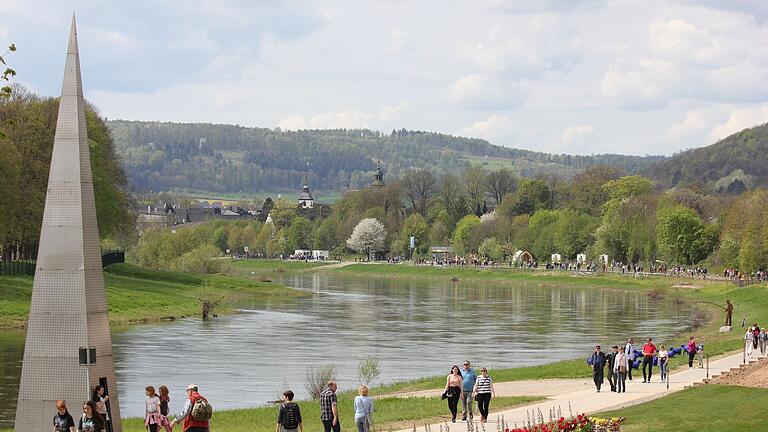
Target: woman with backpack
x,y
91,421
363,410
289,417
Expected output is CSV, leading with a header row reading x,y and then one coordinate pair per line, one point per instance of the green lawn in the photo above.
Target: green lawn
x,y
137,295
265,267
389,412
706,408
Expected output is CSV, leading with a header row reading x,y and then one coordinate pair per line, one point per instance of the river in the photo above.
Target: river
x,y
415,327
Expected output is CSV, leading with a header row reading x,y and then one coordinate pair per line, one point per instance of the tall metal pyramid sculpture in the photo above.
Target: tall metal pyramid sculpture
x,y
68,348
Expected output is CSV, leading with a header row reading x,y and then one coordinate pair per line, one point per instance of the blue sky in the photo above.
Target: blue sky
x,y
581,77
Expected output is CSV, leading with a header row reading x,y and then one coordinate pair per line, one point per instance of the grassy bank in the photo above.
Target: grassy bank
x,y
138,295
389,412
265,266
705,408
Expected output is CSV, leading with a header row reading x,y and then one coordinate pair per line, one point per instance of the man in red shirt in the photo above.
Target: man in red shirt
x,y
649,352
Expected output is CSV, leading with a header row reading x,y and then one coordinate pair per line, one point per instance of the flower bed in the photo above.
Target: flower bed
x,y
580,423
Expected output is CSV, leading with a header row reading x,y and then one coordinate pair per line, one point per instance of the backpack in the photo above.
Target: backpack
x,y
290,420
201,410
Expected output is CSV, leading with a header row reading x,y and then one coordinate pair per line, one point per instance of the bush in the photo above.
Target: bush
x,y
317,379
199,260
368,370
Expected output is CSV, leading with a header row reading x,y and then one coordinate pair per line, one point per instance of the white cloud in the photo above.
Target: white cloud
x,y
398,40
488,128
344,119
739,119
197,39
485,91
390,114
579,135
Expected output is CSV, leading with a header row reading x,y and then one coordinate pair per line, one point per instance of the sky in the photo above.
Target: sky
x,y
572,76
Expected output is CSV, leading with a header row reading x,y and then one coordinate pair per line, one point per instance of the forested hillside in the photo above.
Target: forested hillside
x,y
230,159
734,164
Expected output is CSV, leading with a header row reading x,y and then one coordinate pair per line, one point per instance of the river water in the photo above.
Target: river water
x,y
414,327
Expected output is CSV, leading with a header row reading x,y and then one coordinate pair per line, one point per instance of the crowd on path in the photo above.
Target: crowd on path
x,y
616,365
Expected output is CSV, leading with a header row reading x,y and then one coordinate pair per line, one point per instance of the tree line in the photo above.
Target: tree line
x,y
492,214
28,123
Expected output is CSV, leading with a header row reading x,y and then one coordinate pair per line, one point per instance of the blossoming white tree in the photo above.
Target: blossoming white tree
x,y
368,236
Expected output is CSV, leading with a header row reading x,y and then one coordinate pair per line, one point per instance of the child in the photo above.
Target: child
x,y
164,400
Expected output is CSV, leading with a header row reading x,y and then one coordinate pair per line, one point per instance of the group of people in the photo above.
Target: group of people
x,y
194,417
464,384
289,415
618,363
755,337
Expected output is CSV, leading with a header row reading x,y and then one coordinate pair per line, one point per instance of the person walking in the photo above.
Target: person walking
x,y
63,421
91,421
165,401
748,341
620,367
649,352
198,422
289,416
453,385
610,360
469,377
663,357
329,410
153,418
756,333
100,399
691,351
484,392
763,340
629,353
597,360
363,410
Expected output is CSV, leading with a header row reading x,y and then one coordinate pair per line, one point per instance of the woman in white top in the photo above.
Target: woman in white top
x,y
363,410
748,341
620,367
484,391
663,356
152,412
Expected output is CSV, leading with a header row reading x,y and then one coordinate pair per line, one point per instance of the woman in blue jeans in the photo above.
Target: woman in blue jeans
x,y
363,410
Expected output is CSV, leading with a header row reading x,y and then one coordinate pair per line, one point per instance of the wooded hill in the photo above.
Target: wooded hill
x,y
217,158
733,164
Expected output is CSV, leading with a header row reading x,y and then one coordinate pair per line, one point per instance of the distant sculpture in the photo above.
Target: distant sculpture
x,y
728,313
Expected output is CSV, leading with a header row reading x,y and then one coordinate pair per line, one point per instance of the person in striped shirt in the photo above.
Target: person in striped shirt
x,y
483,392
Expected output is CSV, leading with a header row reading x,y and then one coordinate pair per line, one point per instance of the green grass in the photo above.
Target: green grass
x,y
705,408
138,295
389,412
265,266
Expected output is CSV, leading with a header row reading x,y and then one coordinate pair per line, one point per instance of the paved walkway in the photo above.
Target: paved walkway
x,y
590,402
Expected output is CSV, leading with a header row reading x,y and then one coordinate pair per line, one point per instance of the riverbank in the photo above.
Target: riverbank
x,y
137,295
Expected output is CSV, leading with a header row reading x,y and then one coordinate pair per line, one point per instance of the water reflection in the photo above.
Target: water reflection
x,y
415,327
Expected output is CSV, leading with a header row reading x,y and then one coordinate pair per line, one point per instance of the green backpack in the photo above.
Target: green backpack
x,y
201,410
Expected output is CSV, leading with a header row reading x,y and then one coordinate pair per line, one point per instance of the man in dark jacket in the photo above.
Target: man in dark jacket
x,y
597,359
610,359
